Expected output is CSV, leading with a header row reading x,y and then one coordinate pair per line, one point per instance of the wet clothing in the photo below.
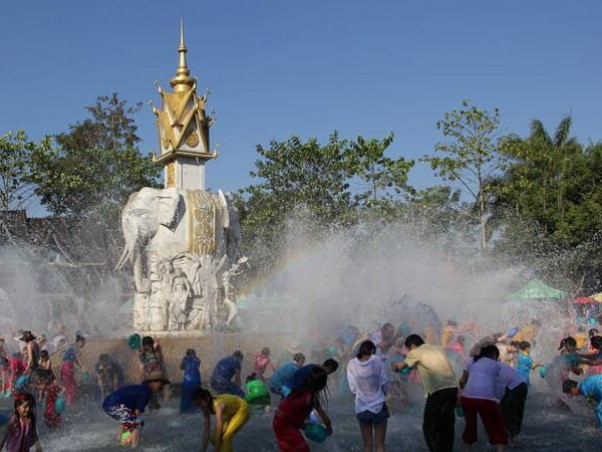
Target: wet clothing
x,y
513,408
296,381
482,376
368,380
288,421
126,416
525,364
261,364
51,417
439,418
68,379
134,397
282,377
151,361
592,387
191,382
491,416
21,435
221,378
439,382
109,373
235,415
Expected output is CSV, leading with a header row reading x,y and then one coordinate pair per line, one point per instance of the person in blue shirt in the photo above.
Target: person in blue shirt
x,y
525,362
591,387
126,404
191,382
225,378
279,383
296,381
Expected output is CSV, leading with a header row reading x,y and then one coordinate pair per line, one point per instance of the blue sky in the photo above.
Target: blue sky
x,y
277,68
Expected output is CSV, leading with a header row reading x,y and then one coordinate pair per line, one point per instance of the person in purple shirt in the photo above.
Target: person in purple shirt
x,y
225,370
126,405
511,389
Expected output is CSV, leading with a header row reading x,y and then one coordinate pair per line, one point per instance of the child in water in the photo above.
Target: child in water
x,y
191,382
21,433
50,393
295,409
231,414
525,362
151,358
262,363
258,394
590,387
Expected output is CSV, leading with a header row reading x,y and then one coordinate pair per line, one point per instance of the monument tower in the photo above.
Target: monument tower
x,y
183,242
183,129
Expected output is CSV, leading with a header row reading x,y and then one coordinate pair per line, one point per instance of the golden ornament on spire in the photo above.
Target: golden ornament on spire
x,y
182,81
182,122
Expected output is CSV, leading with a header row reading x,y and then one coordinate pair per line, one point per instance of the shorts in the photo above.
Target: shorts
x,y
368,417
125,416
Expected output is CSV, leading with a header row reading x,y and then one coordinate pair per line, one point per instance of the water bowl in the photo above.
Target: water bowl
x,y
124,439
315,432
59,405
134,341
459,411
512,332
542,371
21,382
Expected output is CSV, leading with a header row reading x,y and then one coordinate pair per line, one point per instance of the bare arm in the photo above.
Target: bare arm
x,y
206,431
325,419
219,425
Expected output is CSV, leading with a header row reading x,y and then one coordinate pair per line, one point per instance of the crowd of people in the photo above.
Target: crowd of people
x,y
489,381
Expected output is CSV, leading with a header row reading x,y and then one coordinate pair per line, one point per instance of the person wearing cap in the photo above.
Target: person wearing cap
x,y
225,378
128,403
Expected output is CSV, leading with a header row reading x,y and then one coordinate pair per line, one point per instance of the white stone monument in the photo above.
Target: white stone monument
x,y
182,241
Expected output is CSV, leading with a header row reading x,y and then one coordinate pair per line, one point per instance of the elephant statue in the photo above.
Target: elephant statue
x,y
161,223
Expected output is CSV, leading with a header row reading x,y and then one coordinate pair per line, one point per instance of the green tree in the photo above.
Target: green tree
x,y
16,151
379,179
470,157
96,165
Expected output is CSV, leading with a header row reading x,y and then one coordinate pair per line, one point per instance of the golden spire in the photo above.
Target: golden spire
x,y
182,82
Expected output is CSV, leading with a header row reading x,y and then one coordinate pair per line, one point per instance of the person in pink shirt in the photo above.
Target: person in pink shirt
x,y
263,363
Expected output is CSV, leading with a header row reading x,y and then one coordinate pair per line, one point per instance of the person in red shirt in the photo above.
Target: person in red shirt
x,y
294,410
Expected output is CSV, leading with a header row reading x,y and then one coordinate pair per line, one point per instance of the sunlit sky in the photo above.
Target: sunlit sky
x,y
277,68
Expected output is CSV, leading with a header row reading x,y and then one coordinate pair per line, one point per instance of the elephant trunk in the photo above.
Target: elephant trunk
x,y
125,256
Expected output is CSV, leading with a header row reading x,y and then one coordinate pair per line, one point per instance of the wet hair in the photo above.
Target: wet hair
x,y
367,348
202,394
299,357
388,325
316,382
596,342
568,386
515,344
568,341
104,357
44,354
524,345
251,377
147,340
79,338
191,352
21,399
238,354
265,351
451,323
489,351
593,332
535,322
413,339
331,364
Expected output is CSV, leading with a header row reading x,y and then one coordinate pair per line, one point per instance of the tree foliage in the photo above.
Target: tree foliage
x,y
470,156
96,164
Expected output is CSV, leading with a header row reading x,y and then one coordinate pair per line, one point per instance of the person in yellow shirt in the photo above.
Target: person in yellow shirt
x,y
441,389
231,414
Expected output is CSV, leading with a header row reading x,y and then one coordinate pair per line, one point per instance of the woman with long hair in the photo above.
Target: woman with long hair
x,y
296,408
21,433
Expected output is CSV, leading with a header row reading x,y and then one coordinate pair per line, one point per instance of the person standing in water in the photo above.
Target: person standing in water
x,y
225,378
126,404
294,410
441,390
368,381
231,414
192,380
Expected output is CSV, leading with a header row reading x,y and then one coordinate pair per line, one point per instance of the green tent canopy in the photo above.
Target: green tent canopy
x,y
536,290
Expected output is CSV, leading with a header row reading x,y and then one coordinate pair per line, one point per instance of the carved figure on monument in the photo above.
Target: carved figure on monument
x,y
181,292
